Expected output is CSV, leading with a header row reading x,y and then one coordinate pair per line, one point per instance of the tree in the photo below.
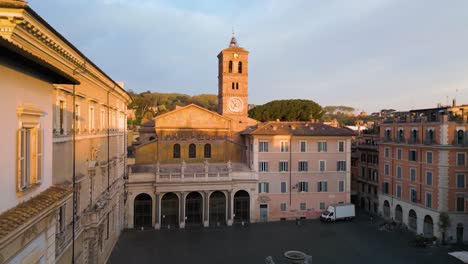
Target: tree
x,y
287,110
444,224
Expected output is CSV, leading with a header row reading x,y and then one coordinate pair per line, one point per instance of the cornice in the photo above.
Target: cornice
x,y
25,29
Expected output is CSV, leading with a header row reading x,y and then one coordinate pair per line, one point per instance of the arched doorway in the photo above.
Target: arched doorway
x,y
169,210
412,220
241,207
428,228
398,214
386,209
363,203
217,208
142,210
193,209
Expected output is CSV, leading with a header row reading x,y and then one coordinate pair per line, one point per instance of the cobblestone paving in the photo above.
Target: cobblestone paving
x,y
342,242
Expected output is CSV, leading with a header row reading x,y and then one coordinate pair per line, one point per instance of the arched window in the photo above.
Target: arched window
x,y
233,86
176,151
239,67
207,151
237,86
230,66
192,151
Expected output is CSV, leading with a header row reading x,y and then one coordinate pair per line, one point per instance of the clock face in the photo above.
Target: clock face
x,y
235,105
236,55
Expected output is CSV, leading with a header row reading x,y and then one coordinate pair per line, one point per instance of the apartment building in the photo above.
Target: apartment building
x,y
64,149
366,171
302,168
423,168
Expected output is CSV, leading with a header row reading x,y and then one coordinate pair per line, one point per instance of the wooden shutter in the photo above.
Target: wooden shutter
x,y
39,151
20,158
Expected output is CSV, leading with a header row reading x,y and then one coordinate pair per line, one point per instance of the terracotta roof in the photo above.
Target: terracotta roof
x,y
23,212
297,129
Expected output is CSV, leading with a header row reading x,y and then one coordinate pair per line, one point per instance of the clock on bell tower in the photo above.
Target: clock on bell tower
x,y
233,81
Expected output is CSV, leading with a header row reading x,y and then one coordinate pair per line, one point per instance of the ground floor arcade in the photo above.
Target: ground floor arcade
x,y
166,209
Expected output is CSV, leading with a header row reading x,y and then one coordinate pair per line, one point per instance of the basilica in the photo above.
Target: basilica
x,y
195,167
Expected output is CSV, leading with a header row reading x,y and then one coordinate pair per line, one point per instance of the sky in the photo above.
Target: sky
x,y
368,54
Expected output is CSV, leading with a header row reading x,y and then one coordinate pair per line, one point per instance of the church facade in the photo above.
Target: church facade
x,y
195,167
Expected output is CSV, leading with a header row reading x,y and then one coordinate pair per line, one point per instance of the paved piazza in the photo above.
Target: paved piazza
x,y
341,242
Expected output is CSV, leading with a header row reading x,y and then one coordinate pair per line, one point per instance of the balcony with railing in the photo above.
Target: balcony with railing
x,y
180,173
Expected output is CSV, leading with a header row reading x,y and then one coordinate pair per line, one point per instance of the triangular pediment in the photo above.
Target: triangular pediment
x,y
192,117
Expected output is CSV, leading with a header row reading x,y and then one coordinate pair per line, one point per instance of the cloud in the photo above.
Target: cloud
x,y
369,54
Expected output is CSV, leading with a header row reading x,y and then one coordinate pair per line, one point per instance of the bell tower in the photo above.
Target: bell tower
x,y
233,89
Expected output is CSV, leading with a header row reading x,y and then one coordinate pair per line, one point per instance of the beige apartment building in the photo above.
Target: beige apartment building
x,y
423,169
64,131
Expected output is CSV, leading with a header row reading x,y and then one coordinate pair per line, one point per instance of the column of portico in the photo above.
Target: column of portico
x,y
230,206
182,210
157,225
206,210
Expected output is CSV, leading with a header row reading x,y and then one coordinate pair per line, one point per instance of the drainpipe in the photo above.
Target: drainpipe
x,y
73,173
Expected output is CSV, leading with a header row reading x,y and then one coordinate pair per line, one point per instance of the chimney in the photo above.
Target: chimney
x,y
454,102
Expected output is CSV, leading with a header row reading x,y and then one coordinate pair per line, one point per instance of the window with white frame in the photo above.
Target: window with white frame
x,y
399,173
283,187
29,150
61,113
103,119
61,219
399,154
322,165
398,190
428,177
303,186
263,146
322,206
284,146
263,187
387,152
283,166
303,165
263,166
303,146
429,157
340,186
428,199
386,169
322,146
413,174
385,188
302,206
283,207
460,180
322,186
460,204
77,117
91,118
413,195
461,159
412,155
341,165
341,146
